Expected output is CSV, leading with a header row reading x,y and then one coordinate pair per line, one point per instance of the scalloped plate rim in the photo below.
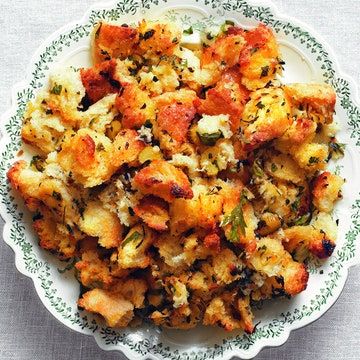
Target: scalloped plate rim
x,y
234,353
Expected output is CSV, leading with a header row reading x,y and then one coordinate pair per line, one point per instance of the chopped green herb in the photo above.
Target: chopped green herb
x,y
148,124
262,249
260,105
229,22
56,195
303,220
147,35
100,147
133,237
56,89
37,216
273,167
313,160
254,50
184,63
174,40
225,25
80,205
256,169
295,205
210,139
37,162
70,229
188,31
209,36
264,71
337,148
236,219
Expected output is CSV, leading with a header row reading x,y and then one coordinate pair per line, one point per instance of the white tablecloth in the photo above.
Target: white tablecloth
x,y
27,330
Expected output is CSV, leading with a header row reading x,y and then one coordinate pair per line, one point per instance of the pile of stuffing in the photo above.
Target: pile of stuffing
x,y
184,180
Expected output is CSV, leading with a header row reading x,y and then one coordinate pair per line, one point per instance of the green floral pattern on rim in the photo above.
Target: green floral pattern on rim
x,y
41,269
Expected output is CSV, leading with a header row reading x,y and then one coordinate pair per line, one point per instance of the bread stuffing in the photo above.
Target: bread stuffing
x,y
186,183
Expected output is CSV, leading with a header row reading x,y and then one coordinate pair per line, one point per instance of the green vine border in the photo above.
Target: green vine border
x,y
41,269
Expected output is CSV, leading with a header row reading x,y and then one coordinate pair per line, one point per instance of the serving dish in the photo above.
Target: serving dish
x,y
307,60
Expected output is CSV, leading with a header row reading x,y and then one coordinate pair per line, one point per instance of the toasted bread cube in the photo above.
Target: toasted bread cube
x,y
132,252
175,113
54,237
318,237
157,39
154,212
268,223
318,100
260,59
222,54
163,180
302,130
93,271
326,191
204,211
126,148
112,41
102,223
311,156
229,313
265,116
41,127
175,120
227,267
116,305
283,167
116,311
247,316
87,155
243,235
271,259
218,313
100,81
227,97
92,158
38,188
135,106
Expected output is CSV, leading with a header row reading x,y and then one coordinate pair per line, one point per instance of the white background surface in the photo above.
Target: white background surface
x,y
27,330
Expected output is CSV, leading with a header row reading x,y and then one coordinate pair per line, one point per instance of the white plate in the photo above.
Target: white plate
x,y
307,58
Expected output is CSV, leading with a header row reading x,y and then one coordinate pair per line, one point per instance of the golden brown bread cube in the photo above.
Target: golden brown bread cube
x,y
132,252
260,58
113,41
266,116
99,222
271,259
154,212
318,100
163,180
326,191
116,305
92,158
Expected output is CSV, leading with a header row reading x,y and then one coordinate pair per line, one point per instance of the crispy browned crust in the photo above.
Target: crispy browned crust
x,y
99,81
134,105
154,212
326,191
112,41
175,119
315,240
227,97
163,180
